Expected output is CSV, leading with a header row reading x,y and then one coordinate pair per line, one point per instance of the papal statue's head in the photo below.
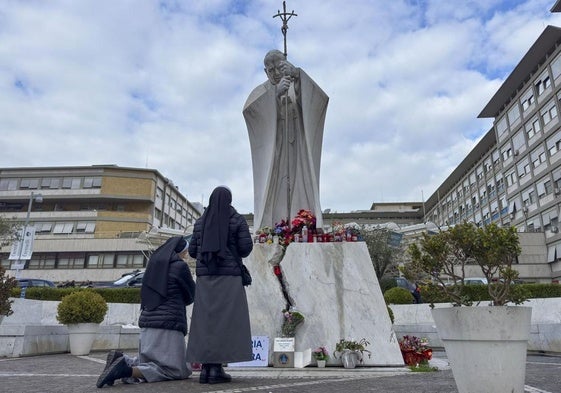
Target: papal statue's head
x,y
273,60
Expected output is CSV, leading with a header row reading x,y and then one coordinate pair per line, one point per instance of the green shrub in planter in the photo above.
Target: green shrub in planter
x,y
85,306
398,295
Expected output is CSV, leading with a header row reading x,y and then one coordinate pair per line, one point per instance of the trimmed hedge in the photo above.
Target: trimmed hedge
x,y
111,295
429,292
398,295
477,293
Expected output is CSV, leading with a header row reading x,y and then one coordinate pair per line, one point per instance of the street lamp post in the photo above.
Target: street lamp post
x,y
34,197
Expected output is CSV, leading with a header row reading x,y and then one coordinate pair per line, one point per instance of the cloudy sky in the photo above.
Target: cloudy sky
x,y
161,84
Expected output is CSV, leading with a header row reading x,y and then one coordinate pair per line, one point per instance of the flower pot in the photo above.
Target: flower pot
x,y
350,358
412,358
486,346
321,363
81,337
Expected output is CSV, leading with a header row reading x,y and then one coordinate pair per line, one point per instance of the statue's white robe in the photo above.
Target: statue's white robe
x,y
273,162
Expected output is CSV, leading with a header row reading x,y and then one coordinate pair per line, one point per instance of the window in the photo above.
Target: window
x,y
51,183
538,156
544,187
496,158
31,184
532,128
42,261
500,183
43,227
510,178
501,126
71,182
548,112
556,67
102,260
85,227
518,140
514,205
71,260
549,219
506,153
523,168
554,252
542,83
527,100
548,187
472,179
503,203
529,196
63,227
491,189
557,178
130,260
483,194
553,143
92,182
8,184
514,115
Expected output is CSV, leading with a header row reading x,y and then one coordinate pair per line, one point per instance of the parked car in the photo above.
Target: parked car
x,y
475,281
34,282
132,279
410,286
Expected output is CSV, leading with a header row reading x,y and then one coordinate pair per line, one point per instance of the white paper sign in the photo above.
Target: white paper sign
x,y
260,346
23,247
284,344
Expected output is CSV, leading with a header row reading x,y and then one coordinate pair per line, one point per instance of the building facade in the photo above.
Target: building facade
x,y
103,219
513,175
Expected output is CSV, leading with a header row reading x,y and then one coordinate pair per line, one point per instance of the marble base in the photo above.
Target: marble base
x,y
334,286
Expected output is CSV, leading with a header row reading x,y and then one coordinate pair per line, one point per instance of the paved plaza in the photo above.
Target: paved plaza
x,y
67,373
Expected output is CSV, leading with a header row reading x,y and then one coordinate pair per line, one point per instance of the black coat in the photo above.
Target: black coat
x,y
240,245
171,313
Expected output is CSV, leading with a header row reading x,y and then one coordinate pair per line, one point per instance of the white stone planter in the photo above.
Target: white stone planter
x,y
350,358
486,346
81,337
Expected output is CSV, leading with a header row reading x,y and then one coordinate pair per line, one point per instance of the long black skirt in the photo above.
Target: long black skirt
x,y
220,330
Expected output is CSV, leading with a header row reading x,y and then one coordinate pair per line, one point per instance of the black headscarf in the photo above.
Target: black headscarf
x,y
215,220
155,281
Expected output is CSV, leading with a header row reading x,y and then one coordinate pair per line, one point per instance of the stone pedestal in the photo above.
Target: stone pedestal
x,y
334,286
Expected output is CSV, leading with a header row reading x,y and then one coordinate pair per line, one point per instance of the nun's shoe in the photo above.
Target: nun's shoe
x,y
216,374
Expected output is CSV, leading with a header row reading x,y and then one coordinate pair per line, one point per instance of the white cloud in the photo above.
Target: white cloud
x,y
162,84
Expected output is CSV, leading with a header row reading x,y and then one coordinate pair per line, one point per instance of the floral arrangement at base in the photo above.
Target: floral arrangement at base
x,y
282,230
415,350
320,353
304,218
292,319
352,345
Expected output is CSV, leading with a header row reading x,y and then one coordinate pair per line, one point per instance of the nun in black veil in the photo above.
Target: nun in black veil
x,y
167,288
220,329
